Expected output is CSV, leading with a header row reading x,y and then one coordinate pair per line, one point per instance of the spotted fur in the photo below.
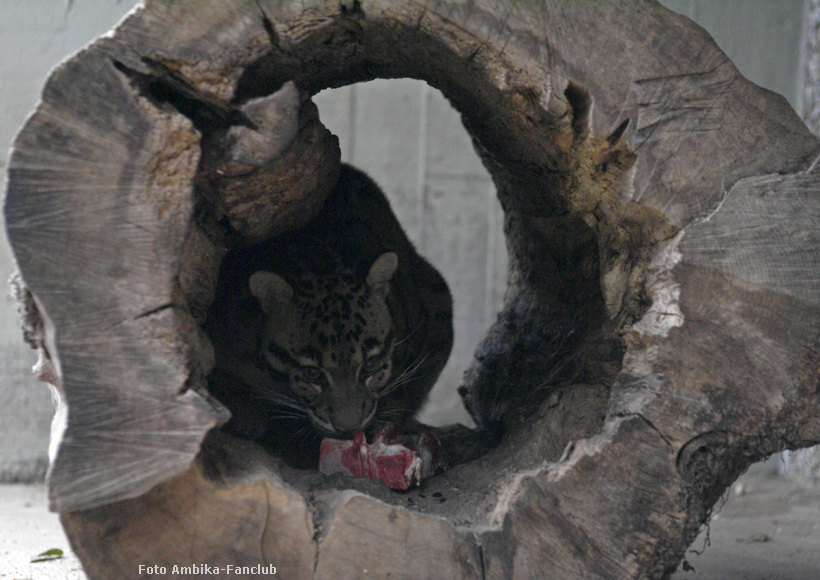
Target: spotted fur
x,y
329,330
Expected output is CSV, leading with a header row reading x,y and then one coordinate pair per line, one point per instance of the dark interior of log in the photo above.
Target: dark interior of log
x,y
545,368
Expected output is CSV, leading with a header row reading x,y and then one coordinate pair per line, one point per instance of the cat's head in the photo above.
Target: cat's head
x,y
330,340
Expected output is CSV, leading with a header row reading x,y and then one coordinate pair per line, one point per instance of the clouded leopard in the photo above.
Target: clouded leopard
x,y
334,328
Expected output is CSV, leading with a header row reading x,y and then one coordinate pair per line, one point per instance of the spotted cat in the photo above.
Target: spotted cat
x,y
334,328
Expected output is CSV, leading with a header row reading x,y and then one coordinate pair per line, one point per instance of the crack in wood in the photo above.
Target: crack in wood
x,y
157,310
164,85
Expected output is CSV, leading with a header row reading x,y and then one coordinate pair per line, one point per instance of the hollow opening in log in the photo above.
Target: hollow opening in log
x,y
577,266
122,200
408,138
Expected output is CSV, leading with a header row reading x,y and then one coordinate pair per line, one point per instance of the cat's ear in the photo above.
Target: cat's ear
x,y
382,270
272,291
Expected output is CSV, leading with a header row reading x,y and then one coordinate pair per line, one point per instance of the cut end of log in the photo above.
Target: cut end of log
x,y
649,347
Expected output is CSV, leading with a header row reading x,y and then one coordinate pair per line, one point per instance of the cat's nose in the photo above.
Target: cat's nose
x,y
353,416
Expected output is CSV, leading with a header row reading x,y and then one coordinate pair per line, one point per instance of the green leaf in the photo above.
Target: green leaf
x,y
52,554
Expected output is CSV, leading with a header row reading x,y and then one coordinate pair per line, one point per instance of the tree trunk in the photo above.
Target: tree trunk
x,y
661,328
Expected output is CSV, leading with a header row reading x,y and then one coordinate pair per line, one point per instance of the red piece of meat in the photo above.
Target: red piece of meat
x,y
398,462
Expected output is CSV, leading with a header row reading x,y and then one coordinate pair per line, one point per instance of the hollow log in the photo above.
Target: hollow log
x,y
660,331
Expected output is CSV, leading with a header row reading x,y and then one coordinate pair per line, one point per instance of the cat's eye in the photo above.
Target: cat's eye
x,y
371,365
311,374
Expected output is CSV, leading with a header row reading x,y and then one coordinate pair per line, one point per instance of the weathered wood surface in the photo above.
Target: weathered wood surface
x,y
183,520
676,304
99,204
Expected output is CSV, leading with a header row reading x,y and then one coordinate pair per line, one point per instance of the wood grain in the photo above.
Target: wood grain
x,y
659,332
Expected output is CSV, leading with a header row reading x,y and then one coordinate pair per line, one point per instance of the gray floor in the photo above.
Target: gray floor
x,y
768,529
27,529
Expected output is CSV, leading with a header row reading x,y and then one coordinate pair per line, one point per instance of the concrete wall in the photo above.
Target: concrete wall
x,y
402,132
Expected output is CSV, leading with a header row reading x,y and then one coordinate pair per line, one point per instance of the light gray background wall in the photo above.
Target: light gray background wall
x,y
402,132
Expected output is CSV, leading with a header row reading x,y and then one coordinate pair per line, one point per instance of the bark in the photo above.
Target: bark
x,y
660,329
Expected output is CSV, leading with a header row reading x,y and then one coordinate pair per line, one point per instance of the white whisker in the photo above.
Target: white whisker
x,y
405,377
